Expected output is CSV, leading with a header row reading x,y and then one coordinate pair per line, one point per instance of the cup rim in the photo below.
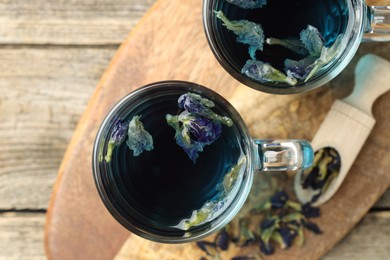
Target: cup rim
x,y
226,215
354,32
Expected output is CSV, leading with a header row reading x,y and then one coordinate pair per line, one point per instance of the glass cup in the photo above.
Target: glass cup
x,y
124,195
357,21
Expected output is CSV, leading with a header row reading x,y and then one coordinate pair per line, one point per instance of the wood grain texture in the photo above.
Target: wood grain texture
x,y
189,58
69,22
374,227
21,236
43,94
384,202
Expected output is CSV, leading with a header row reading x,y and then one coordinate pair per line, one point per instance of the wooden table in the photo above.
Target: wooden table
x,y
52,56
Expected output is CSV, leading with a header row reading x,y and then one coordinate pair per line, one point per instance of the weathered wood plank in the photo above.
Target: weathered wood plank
x,y
74,22
43,93
359,243
69,22
384,202
21,236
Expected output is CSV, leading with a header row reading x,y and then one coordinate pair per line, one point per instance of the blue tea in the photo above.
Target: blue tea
x,y
282,41
157,182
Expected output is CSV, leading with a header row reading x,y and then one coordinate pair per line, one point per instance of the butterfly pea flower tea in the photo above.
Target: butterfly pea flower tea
x,y
173,161
287,46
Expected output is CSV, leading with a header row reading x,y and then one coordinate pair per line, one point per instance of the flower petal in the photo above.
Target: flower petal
x,y
138,139
264,72
247,33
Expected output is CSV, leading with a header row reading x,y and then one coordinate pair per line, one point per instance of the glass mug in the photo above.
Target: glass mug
x,y
285,19
161,194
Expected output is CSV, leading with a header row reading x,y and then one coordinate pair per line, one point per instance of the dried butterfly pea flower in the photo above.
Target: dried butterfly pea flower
x,y
299,69
230,178
312,40
264,72
182,137
312,227
266,248
222,239
117,136
248,4
294,225
201,215
327,55
247,33
138,139
208,247
246,236
277,201
295,45
325,169
310,212
202,130
196,126
285,221
284,236
267,223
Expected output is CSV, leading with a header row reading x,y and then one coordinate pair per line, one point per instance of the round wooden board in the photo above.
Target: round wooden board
x,y
169,43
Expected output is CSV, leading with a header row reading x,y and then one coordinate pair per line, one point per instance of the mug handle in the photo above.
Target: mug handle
x,y
378,25
283,155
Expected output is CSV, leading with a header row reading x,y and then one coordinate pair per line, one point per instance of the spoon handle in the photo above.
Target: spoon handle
x,y
349,123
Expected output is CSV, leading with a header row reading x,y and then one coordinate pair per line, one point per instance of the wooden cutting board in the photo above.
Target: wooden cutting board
x,y
169,43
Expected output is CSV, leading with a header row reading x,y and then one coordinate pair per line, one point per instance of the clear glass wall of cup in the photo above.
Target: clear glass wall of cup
x,y
147,208
362,23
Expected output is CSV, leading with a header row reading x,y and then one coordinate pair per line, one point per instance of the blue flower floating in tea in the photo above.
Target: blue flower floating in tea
x,y
248,4
247,33
292,44
210,208
264,72
138,139
199,106
117,136
299,69
312,40
196,126
310,47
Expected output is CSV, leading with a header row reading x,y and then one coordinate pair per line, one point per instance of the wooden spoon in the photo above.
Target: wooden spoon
x,y
348,123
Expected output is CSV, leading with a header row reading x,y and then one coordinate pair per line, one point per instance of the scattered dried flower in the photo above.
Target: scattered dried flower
x,y
246,236
311,226
208,247
325,169
222,239
266,248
